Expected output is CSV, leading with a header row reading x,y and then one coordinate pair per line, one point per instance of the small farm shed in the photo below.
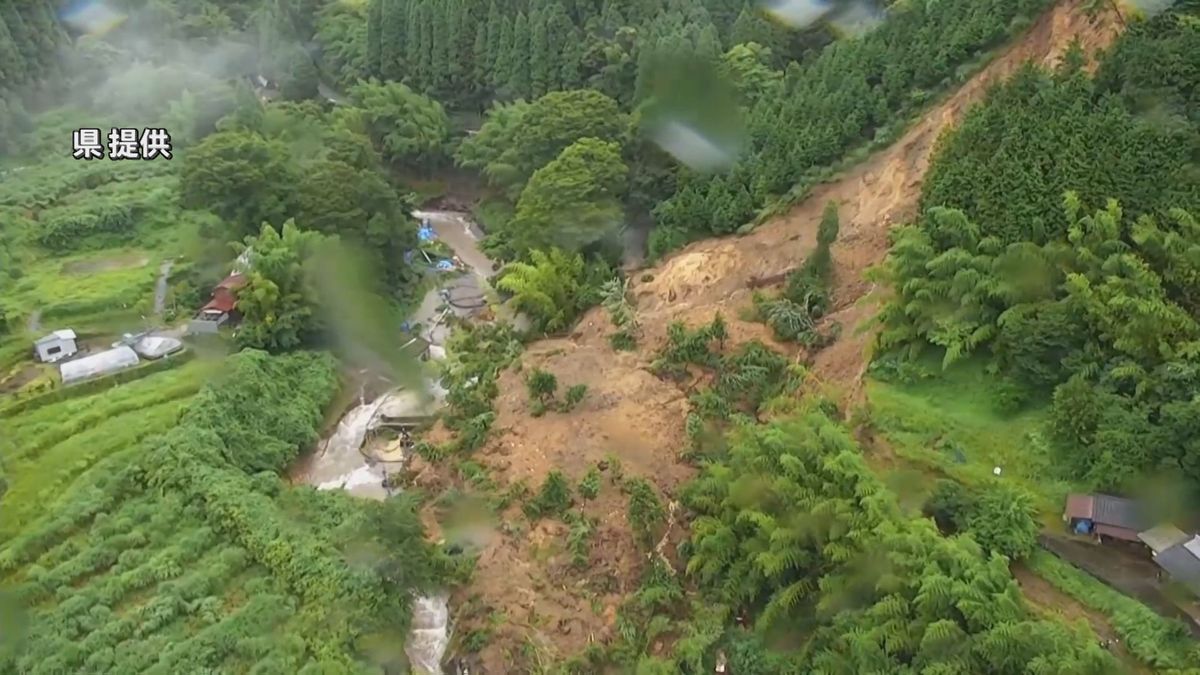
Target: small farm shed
x,y
96,365
1162,537
1104,516
56,346
1182,563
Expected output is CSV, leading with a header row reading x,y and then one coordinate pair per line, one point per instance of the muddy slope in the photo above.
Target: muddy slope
x,y
554,611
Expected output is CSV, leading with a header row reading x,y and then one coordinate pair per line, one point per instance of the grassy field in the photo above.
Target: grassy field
x,y
99,282
46,449
950,424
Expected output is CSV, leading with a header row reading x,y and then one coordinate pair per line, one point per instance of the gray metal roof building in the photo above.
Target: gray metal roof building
x,y
1182,564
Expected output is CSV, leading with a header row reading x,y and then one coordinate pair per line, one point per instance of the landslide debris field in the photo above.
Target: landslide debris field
x,y
637,419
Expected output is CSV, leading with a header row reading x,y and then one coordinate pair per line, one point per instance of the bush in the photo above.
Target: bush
x,y
1003,521
575,395
553,499
646,513
589,485
950,505
66,231
541,385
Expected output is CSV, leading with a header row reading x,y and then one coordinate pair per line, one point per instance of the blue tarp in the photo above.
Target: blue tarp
x,y
445,265
426,233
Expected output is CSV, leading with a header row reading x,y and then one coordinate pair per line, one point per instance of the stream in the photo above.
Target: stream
x,y
354,459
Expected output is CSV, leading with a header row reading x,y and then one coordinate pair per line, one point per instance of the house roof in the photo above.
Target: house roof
x,y
1079,506
64,334
1182,565
1162,537
1106,510
1194,545
233,281
222,301
1118,512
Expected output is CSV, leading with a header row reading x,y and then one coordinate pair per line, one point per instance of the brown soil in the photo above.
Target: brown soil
x,y
636,417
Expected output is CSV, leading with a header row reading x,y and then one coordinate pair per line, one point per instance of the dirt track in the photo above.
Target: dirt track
x,y
634,416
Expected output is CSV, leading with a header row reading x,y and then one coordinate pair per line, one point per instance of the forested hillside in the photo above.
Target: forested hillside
x,y
804,108
1071,269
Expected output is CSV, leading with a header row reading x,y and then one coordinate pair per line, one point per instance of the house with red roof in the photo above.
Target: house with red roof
x,y
221,307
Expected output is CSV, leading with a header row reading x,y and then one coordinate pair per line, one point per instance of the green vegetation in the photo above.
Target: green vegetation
x,y
1040,318
186,547
793,529
805,299
553,499
615,298
1164,644
589,485
554,287
1094,301
542,386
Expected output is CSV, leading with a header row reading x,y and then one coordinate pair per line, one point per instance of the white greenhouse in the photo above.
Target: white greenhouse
x,y
104,363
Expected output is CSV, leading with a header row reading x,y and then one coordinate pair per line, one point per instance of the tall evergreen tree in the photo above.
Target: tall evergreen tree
x,y
503,65
412,44
422,67
479,66
518,76
494,41
439,46
571,56
540,59
23,40
12,64
396,37
374,42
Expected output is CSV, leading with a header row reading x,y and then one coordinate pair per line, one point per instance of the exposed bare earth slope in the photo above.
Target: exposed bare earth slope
x,y
634,416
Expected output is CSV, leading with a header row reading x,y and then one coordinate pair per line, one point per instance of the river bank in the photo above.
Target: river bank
x,y
369,442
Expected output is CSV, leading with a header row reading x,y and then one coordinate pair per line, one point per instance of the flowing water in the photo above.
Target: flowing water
x,y
339,462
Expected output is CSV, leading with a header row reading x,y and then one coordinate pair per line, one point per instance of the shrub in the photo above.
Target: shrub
x,y
589,485
646,513
1003,521
575,395
554,498
541,384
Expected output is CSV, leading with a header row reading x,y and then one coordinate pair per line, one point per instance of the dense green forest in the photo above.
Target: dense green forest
x,y
148,527
1072,269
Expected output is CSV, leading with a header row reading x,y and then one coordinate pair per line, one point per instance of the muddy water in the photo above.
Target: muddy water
x,y
465,292
339,461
